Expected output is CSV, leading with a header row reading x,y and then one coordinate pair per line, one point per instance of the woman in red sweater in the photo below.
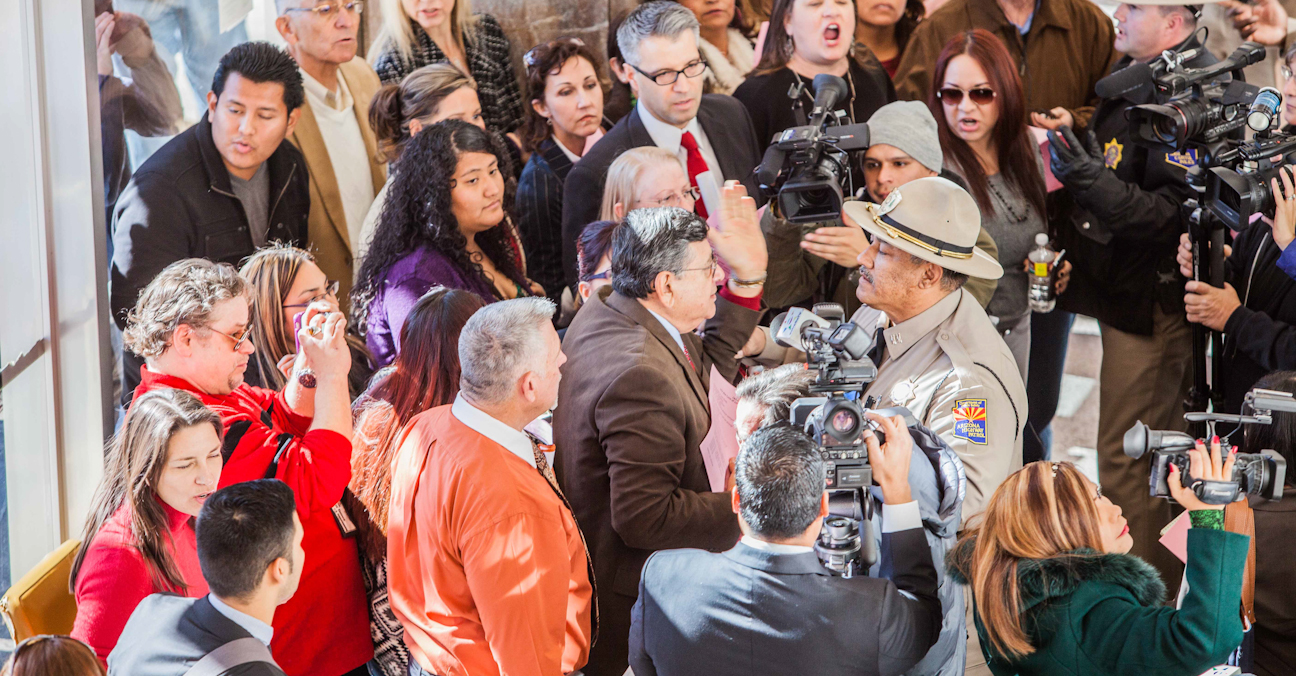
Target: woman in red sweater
x,y
140,538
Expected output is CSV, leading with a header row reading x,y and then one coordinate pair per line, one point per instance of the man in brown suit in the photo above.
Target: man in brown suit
x,y
633,405
333,132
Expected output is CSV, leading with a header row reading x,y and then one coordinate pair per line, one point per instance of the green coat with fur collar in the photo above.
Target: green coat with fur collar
x,y
1093,614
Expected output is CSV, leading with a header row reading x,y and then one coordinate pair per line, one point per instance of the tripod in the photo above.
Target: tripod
x,y
1206,235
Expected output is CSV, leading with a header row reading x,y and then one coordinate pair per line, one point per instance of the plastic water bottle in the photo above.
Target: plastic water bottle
x,y
1041,295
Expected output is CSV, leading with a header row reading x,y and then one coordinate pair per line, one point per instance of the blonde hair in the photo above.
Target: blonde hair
x,y
624,176
270,273
397,32
1042,511
417,96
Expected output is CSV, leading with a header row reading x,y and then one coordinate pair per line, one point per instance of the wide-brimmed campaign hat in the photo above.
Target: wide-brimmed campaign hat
x,y
933,219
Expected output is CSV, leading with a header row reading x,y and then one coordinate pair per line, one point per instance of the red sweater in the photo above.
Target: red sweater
x,y
114,577
324,629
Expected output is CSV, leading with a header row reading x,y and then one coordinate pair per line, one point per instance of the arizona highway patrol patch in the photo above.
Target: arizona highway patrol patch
x,y
1111,155
970,418
1184,160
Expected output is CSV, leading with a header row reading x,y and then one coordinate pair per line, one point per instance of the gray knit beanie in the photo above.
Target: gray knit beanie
x,y
909,126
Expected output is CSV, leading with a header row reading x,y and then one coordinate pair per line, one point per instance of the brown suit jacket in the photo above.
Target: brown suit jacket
x,y
326,234
630,419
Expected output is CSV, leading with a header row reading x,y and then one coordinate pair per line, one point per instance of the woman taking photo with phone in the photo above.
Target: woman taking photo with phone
x,y
1056,592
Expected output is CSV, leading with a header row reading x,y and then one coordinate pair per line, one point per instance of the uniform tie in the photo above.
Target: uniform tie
x,y
696,165
879,346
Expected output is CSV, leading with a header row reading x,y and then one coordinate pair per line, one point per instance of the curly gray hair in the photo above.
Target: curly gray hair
x,y
185,292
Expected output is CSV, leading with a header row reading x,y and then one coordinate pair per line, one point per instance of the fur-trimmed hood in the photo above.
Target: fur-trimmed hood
x,y
1041,579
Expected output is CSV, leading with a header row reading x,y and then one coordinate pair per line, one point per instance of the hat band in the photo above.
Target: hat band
x,y
941,248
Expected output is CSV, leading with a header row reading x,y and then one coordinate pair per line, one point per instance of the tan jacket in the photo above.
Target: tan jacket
x,y
326,234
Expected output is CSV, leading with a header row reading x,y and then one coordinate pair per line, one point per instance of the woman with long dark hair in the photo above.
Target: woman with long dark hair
x,y
1056,592
980,111
884,26
445,223
139,538
425,375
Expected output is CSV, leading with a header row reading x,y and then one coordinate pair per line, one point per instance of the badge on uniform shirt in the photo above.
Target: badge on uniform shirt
x,y
902,393
1184,160
1112,154
970,420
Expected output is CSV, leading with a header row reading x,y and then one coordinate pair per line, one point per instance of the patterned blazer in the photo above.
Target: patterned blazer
x,y
487,49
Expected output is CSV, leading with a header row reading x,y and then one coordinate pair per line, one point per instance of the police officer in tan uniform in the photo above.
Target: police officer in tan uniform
x,y
940,356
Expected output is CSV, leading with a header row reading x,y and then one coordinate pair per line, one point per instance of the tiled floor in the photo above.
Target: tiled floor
x,y
1075,427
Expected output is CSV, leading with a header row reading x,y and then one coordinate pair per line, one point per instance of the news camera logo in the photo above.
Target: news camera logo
x,y
970,420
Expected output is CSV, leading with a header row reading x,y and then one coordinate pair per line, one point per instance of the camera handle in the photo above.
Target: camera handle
x,y
1206,236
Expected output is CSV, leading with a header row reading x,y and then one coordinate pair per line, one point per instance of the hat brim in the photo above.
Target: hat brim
x,y
980,265
1159,3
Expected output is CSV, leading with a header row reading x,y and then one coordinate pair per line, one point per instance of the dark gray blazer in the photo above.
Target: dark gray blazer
x,y
747,611
167,635
728,128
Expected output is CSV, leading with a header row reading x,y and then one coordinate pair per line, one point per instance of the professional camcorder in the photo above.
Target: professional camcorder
x,y
837,423
806,165
1260,474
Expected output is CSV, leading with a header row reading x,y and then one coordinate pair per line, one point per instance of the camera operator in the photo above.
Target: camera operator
x,y
815,262
935,480
769,601
1256,309
1121,241
937,352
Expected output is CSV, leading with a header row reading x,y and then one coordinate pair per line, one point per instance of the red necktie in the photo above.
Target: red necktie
x,y
696,165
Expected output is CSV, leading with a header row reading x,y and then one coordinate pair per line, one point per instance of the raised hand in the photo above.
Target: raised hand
x,y
1264,22
737,239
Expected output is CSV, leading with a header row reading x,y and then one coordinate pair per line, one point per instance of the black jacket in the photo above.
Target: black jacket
x,y
727,127
1260,336
180,204
539,210
1122,236
747,611
167,635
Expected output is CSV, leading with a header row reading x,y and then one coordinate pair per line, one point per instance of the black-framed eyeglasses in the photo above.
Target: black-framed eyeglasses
x,y
330,291
952,96
331,9
238,338
668,77
529,59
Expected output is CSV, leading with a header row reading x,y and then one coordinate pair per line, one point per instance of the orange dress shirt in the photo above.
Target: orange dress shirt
x,y
486,567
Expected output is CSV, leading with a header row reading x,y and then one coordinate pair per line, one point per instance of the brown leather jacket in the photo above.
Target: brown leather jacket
x,y
1067,50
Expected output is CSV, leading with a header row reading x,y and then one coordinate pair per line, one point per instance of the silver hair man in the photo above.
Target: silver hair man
x,y
499,343
660,19
652,241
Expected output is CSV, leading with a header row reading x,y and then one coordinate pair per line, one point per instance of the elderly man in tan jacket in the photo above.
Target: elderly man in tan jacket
x,y
333,133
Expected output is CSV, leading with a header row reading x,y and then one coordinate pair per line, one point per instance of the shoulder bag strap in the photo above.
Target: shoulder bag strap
x,y
1239,518
237,652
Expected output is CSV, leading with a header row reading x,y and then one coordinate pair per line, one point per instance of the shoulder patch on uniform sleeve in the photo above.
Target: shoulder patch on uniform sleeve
x,y
1186,159
970,418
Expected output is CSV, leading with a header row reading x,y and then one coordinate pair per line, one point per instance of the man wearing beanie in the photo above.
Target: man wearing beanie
x,y
815,262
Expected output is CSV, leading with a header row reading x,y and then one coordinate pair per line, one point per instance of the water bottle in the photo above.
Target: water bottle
x,y
1041,295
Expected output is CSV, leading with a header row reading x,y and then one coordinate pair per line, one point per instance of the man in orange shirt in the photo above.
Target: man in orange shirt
x,y
487,570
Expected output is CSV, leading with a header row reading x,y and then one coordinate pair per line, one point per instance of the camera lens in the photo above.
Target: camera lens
x,y
844,423
1166,130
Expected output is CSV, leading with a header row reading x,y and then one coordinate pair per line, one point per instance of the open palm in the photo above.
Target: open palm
x,y
737,238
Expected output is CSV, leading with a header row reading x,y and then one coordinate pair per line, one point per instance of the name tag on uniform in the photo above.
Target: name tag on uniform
x,y
970,420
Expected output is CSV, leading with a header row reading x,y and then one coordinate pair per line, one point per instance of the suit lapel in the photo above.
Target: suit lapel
x,y
716,131
639,135
310,142
556,159
641,316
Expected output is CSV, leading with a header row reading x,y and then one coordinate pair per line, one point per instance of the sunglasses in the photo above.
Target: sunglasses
x,y
952,96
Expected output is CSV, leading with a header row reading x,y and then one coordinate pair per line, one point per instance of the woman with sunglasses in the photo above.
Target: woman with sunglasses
x,y
980,114
806,38
564,116
1056,592
139,538
285,281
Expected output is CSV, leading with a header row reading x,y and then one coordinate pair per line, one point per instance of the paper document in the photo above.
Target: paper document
x,y
720,445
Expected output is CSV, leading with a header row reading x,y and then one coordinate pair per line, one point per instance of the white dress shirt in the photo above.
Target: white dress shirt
x,y
668,136
516,441
259,630
335,115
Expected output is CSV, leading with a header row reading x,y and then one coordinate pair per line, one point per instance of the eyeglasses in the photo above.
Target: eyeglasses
x,y
952,96
331,9
676,198
668,77
606,274
1286,72
529,59
238,338
712,267
330,291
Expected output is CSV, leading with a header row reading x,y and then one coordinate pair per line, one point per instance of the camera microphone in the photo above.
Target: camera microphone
x,y
1133,83
829,89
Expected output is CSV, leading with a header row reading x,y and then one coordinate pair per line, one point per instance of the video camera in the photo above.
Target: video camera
x,y
805,165
837,423
1261,474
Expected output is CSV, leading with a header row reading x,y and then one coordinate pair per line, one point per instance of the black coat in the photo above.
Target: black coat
x,y
727,127
1123,234
748,611
180,204
167,635
1260,336
539,210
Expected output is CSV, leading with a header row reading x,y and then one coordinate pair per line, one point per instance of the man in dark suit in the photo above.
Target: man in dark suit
x,y
633,407
768,605
712,135
250,550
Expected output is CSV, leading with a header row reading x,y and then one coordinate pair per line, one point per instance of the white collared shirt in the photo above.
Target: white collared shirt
x,y
516,441
668,137
670,328
895,518
570,155
336,100
259,630
773,547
